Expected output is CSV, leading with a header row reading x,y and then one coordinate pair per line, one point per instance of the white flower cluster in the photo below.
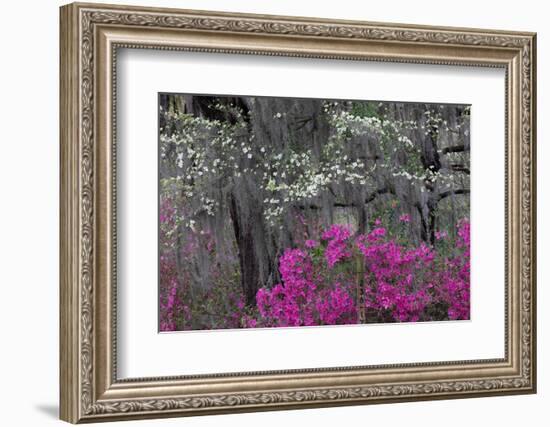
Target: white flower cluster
x,y
293,177
207,155
204,151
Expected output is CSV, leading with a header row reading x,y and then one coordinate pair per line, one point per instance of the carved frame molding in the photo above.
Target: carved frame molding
x,y
90,36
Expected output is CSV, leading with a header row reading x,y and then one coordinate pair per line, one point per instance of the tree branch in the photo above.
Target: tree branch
x,y
368,199
448,193
460,168
376,193
454,149
300,123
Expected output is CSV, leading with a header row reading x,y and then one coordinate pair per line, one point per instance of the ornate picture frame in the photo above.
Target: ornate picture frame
x,y
90,37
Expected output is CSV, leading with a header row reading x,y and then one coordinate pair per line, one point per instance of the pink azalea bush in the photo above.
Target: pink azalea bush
x,y
332,277
455,276
398,279
299,300
393,283
181,307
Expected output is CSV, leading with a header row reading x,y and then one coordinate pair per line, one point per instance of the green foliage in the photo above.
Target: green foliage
x,y
366,109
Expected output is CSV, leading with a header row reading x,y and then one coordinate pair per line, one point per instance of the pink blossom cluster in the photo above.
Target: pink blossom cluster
x,y
298,301
171,307
397,279
368,276
337,248
455,277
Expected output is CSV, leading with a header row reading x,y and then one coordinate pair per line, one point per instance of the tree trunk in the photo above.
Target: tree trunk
x,y
255,263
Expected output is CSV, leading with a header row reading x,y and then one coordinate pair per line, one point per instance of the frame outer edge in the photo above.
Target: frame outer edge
x,y
534,270
68,226
77,226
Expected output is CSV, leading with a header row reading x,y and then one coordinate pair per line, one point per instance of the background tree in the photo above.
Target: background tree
x,y
258,174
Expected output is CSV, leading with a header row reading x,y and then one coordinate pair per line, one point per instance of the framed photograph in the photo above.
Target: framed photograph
x,y
267,212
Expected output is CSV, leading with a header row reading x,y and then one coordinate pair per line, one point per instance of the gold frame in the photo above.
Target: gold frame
x,y
90,36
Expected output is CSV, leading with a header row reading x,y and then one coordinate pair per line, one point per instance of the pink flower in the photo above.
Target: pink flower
x,y
310,244
290,303
336,306
376,234
337,249
405,218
